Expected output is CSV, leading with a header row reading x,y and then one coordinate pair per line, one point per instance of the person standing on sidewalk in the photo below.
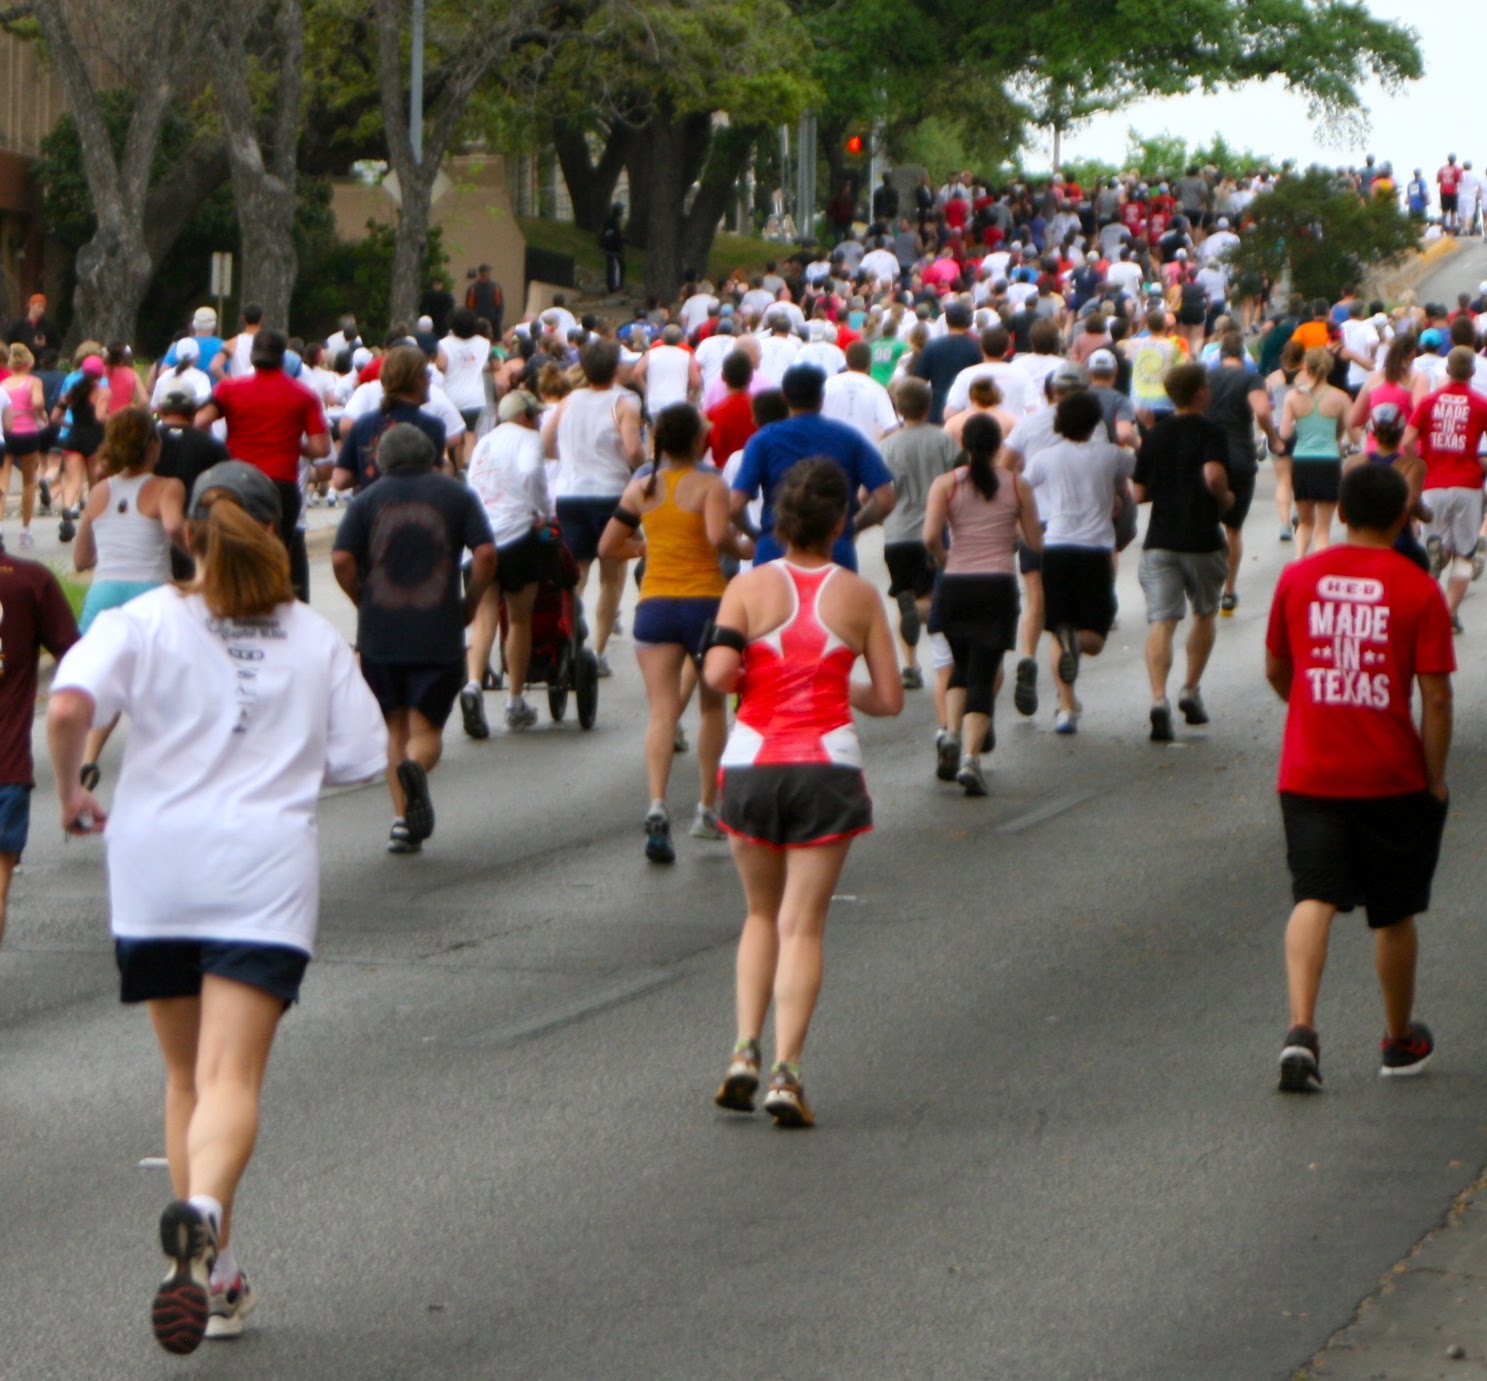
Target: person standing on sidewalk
x,y
397,557
1363,792
1182,471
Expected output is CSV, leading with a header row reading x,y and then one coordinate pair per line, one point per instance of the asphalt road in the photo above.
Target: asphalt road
x,y
1043,1068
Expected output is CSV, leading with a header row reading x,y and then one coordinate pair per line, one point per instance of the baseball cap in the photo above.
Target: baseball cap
x,y
1429,340
1387,415
1182,254
1223,223
1070,375
253,490
187,349
205,319
178,403
94,366
1103,362
361,357
518,403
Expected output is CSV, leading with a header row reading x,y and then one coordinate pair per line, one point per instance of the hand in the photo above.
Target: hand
x,y
1440,791
82,814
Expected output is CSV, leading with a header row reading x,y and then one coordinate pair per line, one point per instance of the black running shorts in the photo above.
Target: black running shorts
x,y
794,805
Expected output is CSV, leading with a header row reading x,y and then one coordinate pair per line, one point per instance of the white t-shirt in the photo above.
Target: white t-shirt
x,y
1361,337
693,312
464,371
1012,383
367,398
776,355
234,730
508,477
668,369
1125,275
593,464
710,355
191,381
829,358
1036,369
881,266
1220,242
1075,482
758,300
862,403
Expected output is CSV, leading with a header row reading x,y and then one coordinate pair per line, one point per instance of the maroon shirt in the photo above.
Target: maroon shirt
x,y
34,613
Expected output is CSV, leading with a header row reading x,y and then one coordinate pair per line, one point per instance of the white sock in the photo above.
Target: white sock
x,y
514,701
658,807
208,1207
473,686
225,1269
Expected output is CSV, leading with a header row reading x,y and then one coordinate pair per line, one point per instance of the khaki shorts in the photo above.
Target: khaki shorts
x,y
1171,580
1455,517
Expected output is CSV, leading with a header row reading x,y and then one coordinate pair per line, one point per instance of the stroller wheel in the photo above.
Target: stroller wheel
x,y
586,688
557,702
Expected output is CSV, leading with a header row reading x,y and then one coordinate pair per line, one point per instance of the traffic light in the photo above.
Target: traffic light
x,y
854,144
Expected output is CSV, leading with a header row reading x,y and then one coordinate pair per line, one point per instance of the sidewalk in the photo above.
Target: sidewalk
x,y
1429,1317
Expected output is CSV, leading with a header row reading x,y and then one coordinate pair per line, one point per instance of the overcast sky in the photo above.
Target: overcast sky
x,y
1412,129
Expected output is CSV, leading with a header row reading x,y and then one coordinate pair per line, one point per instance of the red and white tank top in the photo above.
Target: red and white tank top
x,y
794,704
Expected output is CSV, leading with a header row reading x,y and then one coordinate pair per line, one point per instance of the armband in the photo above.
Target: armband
x,y
629,519
719,635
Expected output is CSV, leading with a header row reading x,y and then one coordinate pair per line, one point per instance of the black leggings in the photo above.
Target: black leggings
x,y
975,672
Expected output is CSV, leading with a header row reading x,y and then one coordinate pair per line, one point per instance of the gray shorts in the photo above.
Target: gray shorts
x,y
1171,580
1456,518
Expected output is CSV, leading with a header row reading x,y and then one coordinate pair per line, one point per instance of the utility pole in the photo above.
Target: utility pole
x,y
415,85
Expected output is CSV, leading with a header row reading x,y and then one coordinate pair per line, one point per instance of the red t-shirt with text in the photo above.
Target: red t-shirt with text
x,y
1449,178
1450,422
1357,624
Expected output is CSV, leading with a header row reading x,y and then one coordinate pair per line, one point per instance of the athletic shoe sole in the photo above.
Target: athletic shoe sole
x,y
972,779
736,1093
1025,691
472,709
947,759
1161,724
1068,659
1298,1071
789,1109
1405,1071
1193,711
182,1307
418,808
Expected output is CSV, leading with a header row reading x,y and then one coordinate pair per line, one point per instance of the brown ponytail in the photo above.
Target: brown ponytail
x,y
242,567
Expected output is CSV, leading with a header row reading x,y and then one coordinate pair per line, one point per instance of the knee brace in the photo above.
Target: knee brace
x,y
908,615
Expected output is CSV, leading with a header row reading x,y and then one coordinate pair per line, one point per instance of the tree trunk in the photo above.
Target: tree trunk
x,y
726,161
590,185
411,242
666,192
113,272
266,210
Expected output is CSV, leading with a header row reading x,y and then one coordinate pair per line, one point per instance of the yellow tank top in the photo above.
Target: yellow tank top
x,y
680,563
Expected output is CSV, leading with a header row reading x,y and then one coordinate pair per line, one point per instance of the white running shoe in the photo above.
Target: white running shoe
x,y
705,824
231,1304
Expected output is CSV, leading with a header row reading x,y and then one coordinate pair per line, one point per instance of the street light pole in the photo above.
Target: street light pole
x,y
415,85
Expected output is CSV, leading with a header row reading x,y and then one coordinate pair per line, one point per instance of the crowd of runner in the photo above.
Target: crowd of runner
x,y
1001,381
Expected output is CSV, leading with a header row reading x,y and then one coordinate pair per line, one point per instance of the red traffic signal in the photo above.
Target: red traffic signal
x,y
854,143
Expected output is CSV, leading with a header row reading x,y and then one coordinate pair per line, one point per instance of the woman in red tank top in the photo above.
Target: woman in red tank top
x,y
792,793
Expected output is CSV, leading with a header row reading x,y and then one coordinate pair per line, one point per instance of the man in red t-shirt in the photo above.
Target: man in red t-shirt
x,y
1363,792
732,419
34,614
1446,432
1449,181
273,421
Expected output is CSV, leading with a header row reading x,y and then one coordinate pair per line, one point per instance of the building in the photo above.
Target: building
x,y
30,103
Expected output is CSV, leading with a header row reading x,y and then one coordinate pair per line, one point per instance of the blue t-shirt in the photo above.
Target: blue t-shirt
x,y
774,450
209,346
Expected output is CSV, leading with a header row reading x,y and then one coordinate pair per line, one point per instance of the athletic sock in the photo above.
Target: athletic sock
x,y
208,1207
225,1269
658,807
473,685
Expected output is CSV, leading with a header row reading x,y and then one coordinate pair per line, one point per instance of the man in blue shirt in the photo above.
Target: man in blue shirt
x,y
805,434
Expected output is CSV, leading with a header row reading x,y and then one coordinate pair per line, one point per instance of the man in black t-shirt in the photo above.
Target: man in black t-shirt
x,y
1183,472
397,556
185,454
945,356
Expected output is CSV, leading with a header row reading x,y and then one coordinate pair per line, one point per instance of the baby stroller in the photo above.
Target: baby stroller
x,y
560,661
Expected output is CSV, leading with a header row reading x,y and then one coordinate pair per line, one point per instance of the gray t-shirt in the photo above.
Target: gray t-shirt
x,y
916,455
1116,407
1192,193
1076,483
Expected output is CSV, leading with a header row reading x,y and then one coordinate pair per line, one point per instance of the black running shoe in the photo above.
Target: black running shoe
x,y
1190,702
1161,722
1025,691
181,1308
1408,1055
913,678
1068,657
66,529
472,709
418,806
947,755
1228,604
45,486
658,845
1301,1061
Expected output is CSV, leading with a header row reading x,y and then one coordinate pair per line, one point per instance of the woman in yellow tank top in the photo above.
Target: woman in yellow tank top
x,y
681,510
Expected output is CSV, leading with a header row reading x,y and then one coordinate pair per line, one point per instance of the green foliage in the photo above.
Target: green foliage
x,y
1320,238
1161,157
336,276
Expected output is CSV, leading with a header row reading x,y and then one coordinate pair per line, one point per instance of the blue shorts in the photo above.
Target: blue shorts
x,y
110,594
150,969
661,620
582,522
15,819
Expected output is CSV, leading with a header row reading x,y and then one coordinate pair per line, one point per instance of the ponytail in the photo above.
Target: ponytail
x,y
677,432
982,439
242,566
650,480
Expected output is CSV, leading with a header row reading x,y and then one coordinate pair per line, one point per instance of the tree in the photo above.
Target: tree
x,y
264,173
1320,238
113,269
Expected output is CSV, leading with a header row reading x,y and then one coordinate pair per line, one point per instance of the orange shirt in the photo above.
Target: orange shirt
x,y
1311,334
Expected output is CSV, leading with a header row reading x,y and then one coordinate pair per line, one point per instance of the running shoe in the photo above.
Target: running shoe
x,y
314,500
913,678
1301,1061
947,755
1066,722
1190,702
231,1303
181,1308
520,716
1456,625
1479,559
679,743
658,845
617,628
472,708
1068,657
972,777
1436,551
66,529
741,1082
1025,692
400,840
1407,1056
332,499
1286,535
90,776
785,1100
1161,722
418,807
1228,604
603,662
705,824
27,540
45,486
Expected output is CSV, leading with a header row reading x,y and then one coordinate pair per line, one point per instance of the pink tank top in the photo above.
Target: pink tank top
x,y
22,420
121,381
1397,394
983,532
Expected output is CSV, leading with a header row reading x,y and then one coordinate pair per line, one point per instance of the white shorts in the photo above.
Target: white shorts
x,y
940,655
1456,518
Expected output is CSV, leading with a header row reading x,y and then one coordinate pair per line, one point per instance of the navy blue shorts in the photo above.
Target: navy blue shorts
x,y
661,620
15,819
150,969
582,522
429,688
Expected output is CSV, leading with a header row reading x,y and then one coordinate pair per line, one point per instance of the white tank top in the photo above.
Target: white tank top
x,y
242,355
591,463
130,545
666,371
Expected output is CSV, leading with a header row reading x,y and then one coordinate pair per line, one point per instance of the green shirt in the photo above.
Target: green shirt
x,y
886,353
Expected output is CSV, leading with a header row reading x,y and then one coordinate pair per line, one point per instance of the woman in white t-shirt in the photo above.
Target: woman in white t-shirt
x,y
466,363
265,706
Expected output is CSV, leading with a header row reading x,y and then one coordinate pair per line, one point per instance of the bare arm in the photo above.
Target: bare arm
x,y
69,716
1278,671
878,506
1216,477
1259,402
629,419
883,694
1027,515
720,665
1435,730
343,565
85,549
936,510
